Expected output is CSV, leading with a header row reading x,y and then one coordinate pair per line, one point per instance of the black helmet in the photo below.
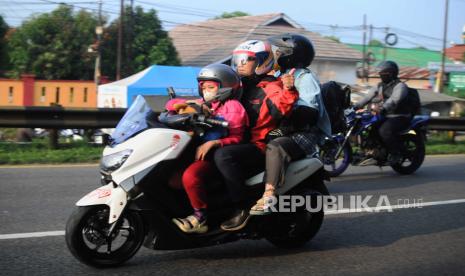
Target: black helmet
x,y
292,50
388,66
388,71
223,74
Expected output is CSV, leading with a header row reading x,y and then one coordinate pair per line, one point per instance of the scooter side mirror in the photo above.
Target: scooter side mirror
x,y
171,92
106,139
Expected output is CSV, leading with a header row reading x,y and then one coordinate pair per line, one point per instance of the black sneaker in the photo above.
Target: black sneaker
x,y
370,161
395,159
237,222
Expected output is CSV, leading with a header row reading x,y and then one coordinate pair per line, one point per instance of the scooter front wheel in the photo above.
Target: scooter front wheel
x,y
88,239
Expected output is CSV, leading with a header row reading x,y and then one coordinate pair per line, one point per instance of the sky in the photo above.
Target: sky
x,y
416,22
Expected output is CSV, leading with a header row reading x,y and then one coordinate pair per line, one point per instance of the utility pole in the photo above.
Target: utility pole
x,y
120,42
365,72
444,40
370,38
129,39
386,31
99,32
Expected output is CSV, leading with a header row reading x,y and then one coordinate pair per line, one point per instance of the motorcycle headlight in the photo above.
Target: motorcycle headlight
x,y
112,162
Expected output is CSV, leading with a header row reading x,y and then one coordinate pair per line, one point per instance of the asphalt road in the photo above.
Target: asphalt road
x,y
417,241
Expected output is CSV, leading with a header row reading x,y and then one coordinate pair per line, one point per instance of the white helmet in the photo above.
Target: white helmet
x,y
254,50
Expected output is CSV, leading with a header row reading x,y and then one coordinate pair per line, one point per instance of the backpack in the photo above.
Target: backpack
x,y
336,98
413,100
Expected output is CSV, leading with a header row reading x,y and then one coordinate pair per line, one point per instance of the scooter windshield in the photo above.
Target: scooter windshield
x,y
133,121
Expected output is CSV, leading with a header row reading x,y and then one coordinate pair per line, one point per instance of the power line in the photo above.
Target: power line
x,y
185,8
175,9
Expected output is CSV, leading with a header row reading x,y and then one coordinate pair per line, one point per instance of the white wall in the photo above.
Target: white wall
x,y
341,71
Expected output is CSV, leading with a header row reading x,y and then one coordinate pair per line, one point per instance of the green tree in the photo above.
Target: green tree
x,y
375,43
145,43
231,14
54,45
3,45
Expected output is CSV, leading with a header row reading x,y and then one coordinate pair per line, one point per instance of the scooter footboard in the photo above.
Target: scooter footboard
x,y
115,198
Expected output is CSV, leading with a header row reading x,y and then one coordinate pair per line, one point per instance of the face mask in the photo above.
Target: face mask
x,y
208,96
386,78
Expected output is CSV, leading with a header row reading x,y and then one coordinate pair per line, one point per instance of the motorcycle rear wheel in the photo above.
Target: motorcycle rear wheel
x,y
414,155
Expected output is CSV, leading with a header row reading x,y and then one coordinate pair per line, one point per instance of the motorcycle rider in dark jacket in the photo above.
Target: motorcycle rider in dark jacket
x,y
391,94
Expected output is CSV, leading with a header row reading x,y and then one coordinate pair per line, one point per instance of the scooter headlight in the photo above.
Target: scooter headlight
x,y
112,162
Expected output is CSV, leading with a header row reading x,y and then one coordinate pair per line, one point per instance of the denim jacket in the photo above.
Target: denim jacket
x,y
308,85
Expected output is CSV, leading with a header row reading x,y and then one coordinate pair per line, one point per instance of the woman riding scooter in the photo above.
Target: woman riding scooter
x,y
308,124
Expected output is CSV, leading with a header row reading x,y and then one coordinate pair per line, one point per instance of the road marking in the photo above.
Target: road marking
x,y
32,235
393,207
331,212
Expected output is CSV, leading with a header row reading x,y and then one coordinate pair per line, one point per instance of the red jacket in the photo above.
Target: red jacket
x,y
266,104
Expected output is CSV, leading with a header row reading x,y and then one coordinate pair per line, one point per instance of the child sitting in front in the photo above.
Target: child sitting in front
x,y
224,105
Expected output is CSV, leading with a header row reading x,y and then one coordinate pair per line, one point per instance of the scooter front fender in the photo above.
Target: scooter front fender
x,y
115,198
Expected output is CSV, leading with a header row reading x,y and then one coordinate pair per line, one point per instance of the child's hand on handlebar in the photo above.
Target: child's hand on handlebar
x,y
183,108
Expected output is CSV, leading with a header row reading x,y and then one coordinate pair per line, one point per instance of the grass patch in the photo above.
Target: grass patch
x,y
38,152
441,143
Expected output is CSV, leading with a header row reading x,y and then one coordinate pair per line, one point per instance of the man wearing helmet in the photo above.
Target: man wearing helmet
x,y
308,124
267,101
390,94
219,86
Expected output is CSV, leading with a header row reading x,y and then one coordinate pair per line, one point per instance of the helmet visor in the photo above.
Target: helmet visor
x,y
241,58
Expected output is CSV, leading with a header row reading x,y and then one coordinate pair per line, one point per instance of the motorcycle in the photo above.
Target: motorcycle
x,y
135,204
360,142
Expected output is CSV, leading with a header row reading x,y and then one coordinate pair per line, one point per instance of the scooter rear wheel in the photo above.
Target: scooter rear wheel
x,y
87,236
295,229
301,229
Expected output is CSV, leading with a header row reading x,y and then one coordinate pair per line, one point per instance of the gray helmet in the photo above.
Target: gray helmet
x,y
225,75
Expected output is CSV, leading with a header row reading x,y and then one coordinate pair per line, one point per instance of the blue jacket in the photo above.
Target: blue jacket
x,y
309,89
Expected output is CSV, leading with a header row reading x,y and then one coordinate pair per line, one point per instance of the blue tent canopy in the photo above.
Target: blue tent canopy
x,y
159,78
154,80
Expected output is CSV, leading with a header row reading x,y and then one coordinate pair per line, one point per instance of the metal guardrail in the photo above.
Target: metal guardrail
x,y
60,118
447,123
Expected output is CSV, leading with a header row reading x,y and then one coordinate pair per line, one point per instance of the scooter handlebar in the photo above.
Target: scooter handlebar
x,y
217,122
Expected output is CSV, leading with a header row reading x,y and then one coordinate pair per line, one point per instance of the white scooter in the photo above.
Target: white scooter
x,y
135,205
